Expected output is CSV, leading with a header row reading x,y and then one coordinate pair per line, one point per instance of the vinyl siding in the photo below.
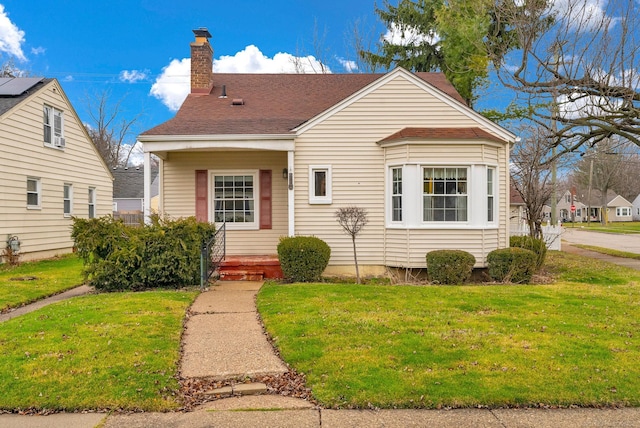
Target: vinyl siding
x,y
46,231
178,184
347,140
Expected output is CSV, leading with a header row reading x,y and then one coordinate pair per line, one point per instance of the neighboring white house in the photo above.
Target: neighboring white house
x,y
50,169
619,209
273,155
636,209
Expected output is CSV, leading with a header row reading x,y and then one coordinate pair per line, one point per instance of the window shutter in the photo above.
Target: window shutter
x,y
265,199
201,196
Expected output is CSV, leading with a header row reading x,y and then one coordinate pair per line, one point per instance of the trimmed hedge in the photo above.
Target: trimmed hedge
x,y
450,266
303,258
516,265
533,244
119,257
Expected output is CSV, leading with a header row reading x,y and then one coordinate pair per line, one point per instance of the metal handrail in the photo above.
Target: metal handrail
x,y
213,252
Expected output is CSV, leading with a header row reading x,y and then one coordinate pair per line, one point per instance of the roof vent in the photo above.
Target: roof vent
x,y
237,102
223,94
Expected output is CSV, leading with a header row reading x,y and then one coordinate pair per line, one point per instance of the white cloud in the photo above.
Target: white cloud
x,y
68,78
252,60
11,37
172,86
38,51
349,65
408,36
585,14
133,76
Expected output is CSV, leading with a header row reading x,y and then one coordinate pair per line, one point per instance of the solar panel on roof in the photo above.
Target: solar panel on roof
x,y
14,86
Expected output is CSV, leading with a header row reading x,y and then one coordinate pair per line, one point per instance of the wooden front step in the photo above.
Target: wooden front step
x,y
250,268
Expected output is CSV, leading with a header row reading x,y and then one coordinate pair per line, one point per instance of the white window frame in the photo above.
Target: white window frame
x,y
37,192
255,224
623,212
67,188
50,114
491,195
396,192
412,196
327,198
92,202
465,195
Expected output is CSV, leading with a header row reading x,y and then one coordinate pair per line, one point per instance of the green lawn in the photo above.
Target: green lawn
x,y
574,342
105,351
52,276
609,251
618,227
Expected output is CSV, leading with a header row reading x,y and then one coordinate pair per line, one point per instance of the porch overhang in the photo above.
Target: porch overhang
x,y
160,145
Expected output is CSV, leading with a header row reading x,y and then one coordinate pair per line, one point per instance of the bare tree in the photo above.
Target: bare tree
x,y
531,176
110,131
361,37
352,220
604,169
304,62
577,67
10,69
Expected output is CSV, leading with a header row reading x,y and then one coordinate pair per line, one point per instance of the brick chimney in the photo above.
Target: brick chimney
x,y
201,62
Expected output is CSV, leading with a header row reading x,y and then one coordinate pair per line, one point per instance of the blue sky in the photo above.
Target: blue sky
x,y
127,47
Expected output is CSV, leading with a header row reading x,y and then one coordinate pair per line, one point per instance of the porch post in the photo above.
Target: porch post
x,y
290,194
147,186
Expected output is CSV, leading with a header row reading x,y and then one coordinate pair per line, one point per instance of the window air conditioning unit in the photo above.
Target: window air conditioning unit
x,y
59,142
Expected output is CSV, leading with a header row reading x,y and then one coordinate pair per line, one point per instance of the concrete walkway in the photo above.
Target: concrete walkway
x,y
78,291
223,338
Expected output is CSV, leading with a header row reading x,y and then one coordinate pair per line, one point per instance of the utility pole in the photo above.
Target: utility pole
x,y
554,128
589,192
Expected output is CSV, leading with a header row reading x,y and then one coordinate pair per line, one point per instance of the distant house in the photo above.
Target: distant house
x,y
617,207
517,211
271,155
50,169
128,190
636,209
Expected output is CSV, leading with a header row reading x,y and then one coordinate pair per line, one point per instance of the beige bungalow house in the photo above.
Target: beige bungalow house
x,y
272,155
50,169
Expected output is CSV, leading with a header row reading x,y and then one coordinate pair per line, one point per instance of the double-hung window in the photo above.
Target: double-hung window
x,y
491,173
53,125
67,198
33,193
396,194
234,200
92,202
444,194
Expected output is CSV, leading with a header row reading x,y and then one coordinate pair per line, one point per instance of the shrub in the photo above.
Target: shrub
x,y
533,244
303,258
119,257
449,266
515,265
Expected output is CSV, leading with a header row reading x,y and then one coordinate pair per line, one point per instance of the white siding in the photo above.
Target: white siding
x,y
46,231
348,140
178,184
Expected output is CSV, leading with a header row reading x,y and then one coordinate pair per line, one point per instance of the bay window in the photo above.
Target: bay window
x,y
437,196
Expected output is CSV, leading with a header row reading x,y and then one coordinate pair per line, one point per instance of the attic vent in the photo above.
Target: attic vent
x,y
237,102
223,94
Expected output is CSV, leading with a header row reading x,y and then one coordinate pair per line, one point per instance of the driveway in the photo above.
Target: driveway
x,y
615,241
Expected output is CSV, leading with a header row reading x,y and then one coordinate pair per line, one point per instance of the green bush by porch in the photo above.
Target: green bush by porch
x,y
303,258
165,253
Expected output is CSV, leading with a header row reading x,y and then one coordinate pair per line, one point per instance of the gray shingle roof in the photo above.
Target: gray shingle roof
x,y
7,102
129,183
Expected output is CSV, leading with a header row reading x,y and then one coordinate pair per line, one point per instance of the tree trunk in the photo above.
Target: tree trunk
x,y
355,258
